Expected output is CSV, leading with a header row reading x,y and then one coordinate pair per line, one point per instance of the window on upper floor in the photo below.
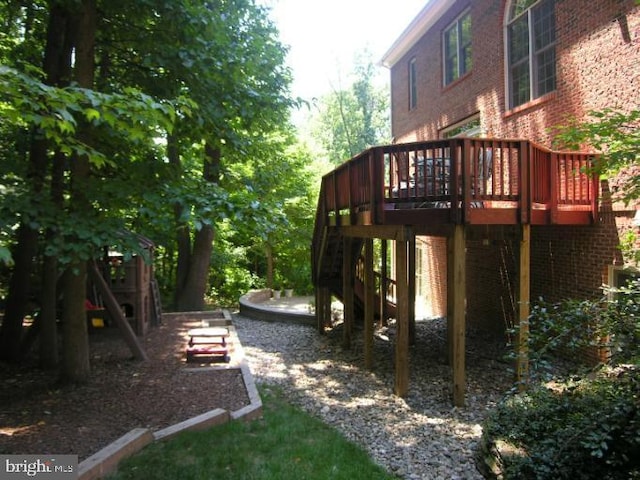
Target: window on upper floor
x,y
456,44
531,50
413,84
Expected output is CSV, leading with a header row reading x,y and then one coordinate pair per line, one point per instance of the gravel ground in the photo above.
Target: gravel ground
x,y
419,437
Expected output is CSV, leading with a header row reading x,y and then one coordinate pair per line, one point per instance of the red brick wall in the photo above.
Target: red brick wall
x,y
566,262
435,264
598,52
491,284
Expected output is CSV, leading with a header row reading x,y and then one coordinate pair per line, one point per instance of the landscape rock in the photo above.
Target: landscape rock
x,y
419,437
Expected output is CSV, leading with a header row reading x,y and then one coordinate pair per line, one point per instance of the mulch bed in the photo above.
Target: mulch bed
x,y
40,416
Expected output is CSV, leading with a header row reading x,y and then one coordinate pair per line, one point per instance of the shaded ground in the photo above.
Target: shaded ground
x,y
38,416
419,437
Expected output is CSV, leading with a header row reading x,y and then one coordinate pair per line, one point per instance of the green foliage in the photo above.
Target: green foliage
x,y
352,119
276,195
170,74
629,242
205,73
57,112
226,58
569,328
231,273
582,428
616,134
285,444
584,425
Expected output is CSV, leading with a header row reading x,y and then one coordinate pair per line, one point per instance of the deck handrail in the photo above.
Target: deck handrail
x,y
455,176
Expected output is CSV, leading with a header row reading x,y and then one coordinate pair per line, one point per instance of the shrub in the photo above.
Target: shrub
x,y
584,425
567,329
576,429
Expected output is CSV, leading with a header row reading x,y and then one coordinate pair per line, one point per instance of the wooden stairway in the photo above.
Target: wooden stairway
x,y
330,273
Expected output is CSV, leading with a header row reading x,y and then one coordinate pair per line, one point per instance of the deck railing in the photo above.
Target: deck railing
x,y
462,180
456,173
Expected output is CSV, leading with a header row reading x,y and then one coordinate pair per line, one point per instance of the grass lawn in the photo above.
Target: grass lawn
x,y
285,444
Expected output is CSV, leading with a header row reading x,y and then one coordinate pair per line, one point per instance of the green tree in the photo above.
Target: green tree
x,y
60,124
352,119
282,225
225,58
616,135
164,163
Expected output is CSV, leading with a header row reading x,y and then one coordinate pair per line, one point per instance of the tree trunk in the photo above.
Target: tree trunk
x,y
183,233
270,265
75,339
190,294
19,291
48,345
49,358
75,358
191,297
57,67
23,254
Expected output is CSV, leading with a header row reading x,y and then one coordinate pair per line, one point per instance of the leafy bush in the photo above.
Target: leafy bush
x,y
578,429
566,330
236,282
585,425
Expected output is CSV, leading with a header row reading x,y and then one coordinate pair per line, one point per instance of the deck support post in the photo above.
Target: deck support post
x,y
348,292
401,387
522,360
323,308
319,313
369,303
384,280
456,312
412,289
450,249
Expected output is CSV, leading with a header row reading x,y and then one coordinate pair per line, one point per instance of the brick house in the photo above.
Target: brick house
x,y
461,68
479,213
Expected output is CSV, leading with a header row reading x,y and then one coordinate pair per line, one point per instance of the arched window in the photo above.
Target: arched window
x,y
531,50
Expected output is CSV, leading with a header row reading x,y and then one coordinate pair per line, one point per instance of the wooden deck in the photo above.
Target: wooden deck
x,y
460,181
442,188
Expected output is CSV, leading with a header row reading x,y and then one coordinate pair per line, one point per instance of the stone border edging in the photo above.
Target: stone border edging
x,y
250,307
107,459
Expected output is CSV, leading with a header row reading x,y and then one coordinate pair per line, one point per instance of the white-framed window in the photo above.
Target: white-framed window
x,y
470,127
619,277
413,84
530,49
456,49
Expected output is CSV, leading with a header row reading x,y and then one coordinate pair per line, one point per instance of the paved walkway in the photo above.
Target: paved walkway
x,y
259,305
290,304
306,304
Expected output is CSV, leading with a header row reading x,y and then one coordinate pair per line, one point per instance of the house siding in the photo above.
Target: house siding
x,y
598,66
